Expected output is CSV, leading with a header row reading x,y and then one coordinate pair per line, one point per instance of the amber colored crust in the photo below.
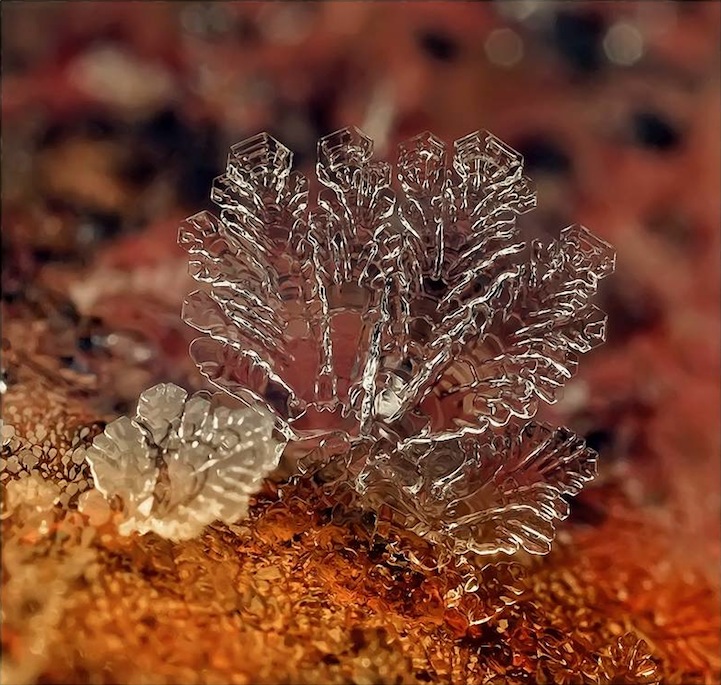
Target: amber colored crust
x,y
308,593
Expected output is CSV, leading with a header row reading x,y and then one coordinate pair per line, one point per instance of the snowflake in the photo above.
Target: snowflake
x,y
182,463
402,330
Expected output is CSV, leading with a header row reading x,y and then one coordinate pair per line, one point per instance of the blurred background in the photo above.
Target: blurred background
x,y
118,115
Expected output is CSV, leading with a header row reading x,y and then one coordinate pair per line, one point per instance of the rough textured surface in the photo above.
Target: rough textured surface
x,y
305,591
293,595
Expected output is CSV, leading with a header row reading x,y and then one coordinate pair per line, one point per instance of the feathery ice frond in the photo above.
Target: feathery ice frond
x,y
482,497
398,309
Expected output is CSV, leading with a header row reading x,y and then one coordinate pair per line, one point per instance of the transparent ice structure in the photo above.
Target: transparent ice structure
x,y
397,327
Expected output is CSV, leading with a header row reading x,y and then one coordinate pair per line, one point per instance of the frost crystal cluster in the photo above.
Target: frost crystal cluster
x,y
182,463
397,326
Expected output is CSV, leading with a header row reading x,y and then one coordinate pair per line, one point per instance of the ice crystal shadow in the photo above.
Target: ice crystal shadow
x,y
401,328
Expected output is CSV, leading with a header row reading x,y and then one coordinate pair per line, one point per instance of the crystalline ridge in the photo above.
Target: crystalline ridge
x,y
400,318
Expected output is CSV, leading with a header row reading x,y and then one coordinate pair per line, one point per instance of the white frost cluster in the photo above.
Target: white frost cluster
x,y
183,463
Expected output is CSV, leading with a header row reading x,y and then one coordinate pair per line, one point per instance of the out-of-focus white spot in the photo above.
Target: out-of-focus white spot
x,y
575,397
120,78
519,9
380,116
504,47
623,44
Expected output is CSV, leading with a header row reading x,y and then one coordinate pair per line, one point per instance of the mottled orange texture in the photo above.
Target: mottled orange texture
x,y
306,592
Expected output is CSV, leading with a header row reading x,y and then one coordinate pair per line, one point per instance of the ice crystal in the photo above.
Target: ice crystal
x,y
182,463
402,327
498,495
627,660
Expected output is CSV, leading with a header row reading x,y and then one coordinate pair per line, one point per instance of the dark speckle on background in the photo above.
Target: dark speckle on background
x,y
93,126
653,131
199,166
543,155
94,226
165,130
600,440
190,153
578,37
439,46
